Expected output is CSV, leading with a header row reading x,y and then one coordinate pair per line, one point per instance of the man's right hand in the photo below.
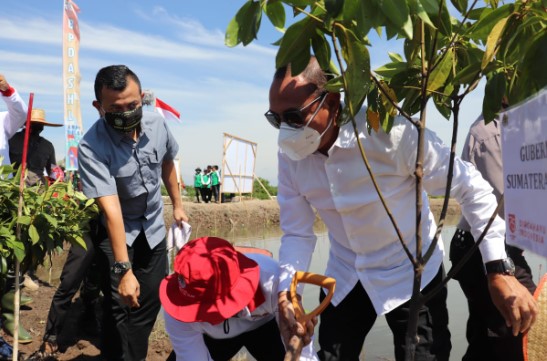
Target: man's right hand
x,y
288,326
129,289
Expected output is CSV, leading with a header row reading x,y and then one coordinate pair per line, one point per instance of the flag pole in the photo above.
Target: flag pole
x,y
16,299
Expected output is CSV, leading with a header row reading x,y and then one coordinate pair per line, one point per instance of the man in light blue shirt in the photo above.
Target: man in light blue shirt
x,y
122,159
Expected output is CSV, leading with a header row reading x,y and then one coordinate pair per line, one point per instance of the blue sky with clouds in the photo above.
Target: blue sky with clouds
x,y
177,50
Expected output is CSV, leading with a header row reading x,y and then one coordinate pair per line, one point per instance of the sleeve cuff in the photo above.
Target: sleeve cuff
x,y
8,93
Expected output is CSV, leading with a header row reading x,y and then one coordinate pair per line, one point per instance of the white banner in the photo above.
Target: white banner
x,y
238,165
524,149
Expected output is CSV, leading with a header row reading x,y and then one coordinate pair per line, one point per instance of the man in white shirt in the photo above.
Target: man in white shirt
x,y
321,170
220,300
10,121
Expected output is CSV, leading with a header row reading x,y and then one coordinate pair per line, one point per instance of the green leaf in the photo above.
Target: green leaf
x,y
52,221
483,27
334,7
24,220
321,49
357,73
299,3
276,13
295,46
416,7
534,76
442,107
492,42
244,26
441,72
335,85
390,69
493,94
395,57
439,16
397,13
460,5
365,15
467,74
33,234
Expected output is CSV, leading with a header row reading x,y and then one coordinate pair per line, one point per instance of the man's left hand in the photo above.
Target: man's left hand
x,y
129,289
514,301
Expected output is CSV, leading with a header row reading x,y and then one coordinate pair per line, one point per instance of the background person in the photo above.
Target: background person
x,y
206,184
321,170
488,336
40,152
10,121
122,159
215,183
197,184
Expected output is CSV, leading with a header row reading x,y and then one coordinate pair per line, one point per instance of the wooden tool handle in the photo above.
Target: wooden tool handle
x,y
316,279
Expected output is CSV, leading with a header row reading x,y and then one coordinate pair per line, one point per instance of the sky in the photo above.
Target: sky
x,y
177,50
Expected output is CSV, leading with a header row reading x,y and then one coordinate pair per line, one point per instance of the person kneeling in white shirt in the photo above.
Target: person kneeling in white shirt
x,y
219,300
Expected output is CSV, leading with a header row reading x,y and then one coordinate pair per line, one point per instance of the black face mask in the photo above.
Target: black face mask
x,y
124,121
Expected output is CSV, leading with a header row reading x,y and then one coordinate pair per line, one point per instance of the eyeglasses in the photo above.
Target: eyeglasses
x,y
294,117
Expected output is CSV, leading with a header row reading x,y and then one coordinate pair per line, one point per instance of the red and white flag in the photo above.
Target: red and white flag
x,y
167,111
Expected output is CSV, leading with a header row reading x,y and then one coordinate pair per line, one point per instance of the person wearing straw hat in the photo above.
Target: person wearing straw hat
x,y
219,300
41,152
12,119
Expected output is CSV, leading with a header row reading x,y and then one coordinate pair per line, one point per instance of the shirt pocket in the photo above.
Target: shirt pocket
x,y
151,169
128,180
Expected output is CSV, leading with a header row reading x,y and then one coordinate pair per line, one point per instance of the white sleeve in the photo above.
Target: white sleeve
x,y
187,343
16,115
473,193
296,220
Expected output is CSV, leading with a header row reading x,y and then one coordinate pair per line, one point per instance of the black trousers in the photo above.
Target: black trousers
x,y
343,329
216,191
487,335
263,344
80,266
126,330
198,193
206,194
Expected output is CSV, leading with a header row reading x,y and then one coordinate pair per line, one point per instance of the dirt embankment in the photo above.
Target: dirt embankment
x,y
213,218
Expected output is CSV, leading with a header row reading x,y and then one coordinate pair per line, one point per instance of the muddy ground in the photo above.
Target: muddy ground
x,y
206,219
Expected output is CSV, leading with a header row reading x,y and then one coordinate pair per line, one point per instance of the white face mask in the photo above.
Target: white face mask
x,y
301,142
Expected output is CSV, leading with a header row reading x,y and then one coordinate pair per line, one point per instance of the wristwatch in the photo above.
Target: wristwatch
x,y
120,268
502,266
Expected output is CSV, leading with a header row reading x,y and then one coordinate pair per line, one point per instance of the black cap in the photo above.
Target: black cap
x,y
198,169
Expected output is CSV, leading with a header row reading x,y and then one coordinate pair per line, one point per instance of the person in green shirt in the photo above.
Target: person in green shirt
x,y
215,183
206,185
197,184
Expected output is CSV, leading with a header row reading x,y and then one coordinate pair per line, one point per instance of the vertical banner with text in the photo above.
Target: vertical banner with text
x,y
71,83
524,148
